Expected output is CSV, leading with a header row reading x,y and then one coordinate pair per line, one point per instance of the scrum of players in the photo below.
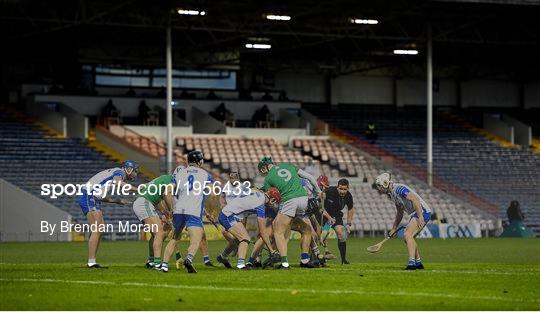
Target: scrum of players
x,y
291,199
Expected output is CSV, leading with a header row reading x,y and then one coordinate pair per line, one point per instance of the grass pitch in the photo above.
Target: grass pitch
x,y
461,274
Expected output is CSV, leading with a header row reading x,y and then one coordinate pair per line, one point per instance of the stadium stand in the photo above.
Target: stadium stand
x,y
31,156
241,154
72,161
475,164
375,212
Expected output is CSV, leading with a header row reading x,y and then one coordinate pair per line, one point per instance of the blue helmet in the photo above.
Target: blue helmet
x,y
131,164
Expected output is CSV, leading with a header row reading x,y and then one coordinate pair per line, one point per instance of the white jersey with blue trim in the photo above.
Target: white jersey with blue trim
x,y
309,188
190,200
101,178
243,206
241,191
399,196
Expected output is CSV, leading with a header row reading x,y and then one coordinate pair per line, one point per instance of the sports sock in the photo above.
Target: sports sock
x,y
206,259
157,261
411,262
150,259
151,248
284,261
165,265
251,260
228,250
418,261
304,258
315,250
91,261
178,256
189,257
342,250
240,263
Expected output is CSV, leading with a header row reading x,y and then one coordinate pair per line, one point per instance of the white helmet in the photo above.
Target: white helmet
x,y
383,181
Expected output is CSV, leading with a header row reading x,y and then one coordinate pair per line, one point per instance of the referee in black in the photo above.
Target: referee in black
x,y
337,199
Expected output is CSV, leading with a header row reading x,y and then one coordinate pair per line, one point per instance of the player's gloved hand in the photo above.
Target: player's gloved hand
x,y
392,233
348,229
332,221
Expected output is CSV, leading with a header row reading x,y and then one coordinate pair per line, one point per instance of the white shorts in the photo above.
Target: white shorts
x,y
144,209
294,207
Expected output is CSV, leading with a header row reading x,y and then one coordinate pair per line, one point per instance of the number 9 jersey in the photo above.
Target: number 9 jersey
x,y
285,178
189,190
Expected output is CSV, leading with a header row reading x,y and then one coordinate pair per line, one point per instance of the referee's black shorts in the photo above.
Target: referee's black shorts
x,y
339,220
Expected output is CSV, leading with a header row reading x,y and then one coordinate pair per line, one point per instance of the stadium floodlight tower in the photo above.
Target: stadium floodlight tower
x,y
429,108
169,97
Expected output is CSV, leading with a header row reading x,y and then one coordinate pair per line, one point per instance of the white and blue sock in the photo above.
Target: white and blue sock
x,y
206,259
412,262
304,258
240,264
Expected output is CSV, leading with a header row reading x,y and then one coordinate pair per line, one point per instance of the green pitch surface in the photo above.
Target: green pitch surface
x,y
486,274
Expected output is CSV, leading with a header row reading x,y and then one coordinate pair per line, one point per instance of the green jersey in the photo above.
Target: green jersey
x,y
155,189
285,178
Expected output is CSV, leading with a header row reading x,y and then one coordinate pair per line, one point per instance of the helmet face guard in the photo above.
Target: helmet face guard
x,y
265,161
274,195
195,157
130,167
323,181
234,176
382,182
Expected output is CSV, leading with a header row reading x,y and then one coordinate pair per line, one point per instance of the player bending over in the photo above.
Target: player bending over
x,y
232,214
157,194
224,199
254,261
419,212
90,201
316,212
286,178
317,219
304,219
189,208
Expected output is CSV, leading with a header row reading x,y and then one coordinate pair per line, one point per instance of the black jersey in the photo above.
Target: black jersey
x,y
334,203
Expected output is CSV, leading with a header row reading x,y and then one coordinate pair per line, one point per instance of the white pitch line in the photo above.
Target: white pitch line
x,y
285,290
527,271
485,272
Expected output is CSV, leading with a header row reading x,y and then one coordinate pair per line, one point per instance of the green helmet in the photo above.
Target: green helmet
x,y
266,160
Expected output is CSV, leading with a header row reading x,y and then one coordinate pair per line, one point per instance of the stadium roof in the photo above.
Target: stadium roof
x,y
471,38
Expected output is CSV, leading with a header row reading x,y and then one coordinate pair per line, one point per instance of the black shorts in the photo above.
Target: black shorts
x,y
339,219
338,222
270,213
312,207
